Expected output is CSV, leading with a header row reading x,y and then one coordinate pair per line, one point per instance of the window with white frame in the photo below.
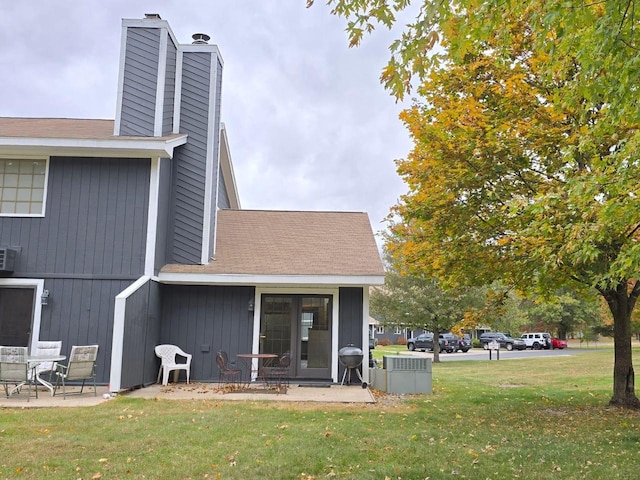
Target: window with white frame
x,y
22,186
397,330
380,329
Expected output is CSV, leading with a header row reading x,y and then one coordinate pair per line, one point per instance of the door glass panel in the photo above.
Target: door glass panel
x,y
315,338
275,330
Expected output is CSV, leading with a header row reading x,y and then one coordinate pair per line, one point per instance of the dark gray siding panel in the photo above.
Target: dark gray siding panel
x,y
190,160
169,88
201,318
141,333
140,82
164,207
80,312
95,223
350,311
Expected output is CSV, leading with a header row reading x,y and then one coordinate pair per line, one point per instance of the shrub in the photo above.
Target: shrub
x,y
384,342
401,341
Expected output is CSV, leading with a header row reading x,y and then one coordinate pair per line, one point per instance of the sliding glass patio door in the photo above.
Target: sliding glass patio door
x,y
301,325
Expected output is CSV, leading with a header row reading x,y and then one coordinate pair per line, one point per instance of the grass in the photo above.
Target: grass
x,y
532,418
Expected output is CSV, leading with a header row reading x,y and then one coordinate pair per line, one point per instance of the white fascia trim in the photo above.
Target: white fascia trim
x,y
123,52
131,147
152,217
209,170
260,280
38,284
160,83
117,344
177,102
226,166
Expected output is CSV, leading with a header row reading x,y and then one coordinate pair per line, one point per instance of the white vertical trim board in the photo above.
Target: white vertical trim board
x,y
334,335
209,180
365,334
177,97
117,344
152,217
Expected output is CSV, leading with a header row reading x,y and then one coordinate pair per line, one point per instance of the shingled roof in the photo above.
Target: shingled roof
x,y
56,128
259,242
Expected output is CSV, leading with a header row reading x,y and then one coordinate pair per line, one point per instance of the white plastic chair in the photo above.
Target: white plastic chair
x,y
167,354
46,349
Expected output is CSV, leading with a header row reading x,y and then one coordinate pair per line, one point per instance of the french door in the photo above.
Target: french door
x,y
301,325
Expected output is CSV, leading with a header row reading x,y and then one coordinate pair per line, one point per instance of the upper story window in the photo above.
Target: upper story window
x,y
22,186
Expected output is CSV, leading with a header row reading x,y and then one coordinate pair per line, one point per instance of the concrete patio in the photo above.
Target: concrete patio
x,y
195,391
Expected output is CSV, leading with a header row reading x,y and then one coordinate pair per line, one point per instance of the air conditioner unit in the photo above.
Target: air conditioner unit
x,y
407,374
404,362
7,259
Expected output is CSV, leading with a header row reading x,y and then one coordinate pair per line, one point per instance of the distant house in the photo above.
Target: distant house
x,y
128,233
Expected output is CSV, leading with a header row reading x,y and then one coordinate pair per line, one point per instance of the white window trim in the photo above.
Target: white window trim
x,y
46,186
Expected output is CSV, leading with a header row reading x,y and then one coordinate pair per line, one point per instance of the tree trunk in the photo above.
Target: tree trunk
x,y
621,304
436,345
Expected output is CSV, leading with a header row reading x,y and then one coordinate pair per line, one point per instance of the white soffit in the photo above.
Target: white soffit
x,y
136,147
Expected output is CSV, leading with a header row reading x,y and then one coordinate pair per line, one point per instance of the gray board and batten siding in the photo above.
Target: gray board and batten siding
x,y
205,319
89,246
141,334
142,67
95,224
190,166
140,82
350,326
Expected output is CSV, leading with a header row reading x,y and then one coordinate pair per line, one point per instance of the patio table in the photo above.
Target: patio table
x,y
35,360
257,369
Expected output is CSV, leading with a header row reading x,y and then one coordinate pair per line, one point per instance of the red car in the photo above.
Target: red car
x,y
557,343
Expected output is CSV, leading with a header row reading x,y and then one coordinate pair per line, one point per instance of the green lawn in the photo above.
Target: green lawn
x,y
532,418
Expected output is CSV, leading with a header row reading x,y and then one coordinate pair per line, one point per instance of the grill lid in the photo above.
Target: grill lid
x,y
350,356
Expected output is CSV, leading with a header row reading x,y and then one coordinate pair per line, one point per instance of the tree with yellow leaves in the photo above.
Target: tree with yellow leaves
x,y
507,182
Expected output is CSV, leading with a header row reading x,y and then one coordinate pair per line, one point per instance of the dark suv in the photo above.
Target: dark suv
x,y
424,342
503,339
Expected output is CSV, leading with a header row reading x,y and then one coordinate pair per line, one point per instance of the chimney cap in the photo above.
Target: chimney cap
x,y
200,38
152,16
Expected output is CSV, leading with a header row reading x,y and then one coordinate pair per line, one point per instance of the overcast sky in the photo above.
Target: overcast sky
x,y
309,125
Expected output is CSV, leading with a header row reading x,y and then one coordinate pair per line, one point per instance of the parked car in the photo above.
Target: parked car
x,y
537,340
424,342
462,343
503,339
557,343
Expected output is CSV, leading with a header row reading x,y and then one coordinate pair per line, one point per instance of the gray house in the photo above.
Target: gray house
x,y
128,233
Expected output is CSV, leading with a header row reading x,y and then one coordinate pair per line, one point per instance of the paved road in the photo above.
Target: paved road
x,y
478,354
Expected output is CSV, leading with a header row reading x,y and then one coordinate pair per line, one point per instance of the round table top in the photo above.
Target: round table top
x,y
46,358
257,355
